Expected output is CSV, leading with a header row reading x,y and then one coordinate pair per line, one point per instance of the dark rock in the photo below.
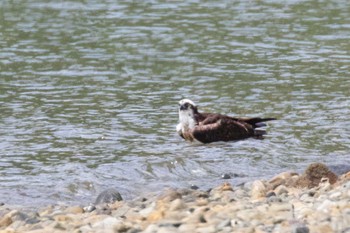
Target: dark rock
x,y
270,194
194,187
108,196
301,229
202,219
230,175
177,224
225,176
313,175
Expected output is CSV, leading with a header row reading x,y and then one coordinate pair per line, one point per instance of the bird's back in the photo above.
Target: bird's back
x,y
217,127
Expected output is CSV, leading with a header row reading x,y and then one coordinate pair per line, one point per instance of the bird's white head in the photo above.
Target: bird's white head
x,y
187,111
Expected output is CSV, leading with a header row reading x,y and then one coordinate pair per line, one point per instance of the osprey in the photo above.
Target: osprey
x,y
212,127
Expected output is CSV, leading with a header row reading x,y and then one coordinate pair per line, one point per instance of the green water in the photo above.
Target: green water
x,y
89,92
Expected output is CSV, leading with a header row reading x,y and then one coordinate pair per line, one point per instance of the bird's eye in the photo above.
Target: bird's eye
x,y
186,105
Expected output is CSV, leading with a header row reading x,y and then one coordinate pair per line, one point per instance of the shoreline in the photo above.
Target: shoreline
x,y
315,201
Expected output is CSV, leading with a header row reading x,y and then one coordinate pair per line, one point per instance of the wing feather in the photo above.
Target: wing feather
x,y
223,129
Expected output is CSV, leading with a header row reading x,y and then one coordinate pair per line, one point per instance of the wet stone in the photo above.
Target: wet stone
x,y
225,176
108,196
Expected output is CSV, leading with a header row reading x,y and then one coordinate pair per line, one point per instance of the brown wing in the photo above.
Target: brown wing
x,y
221,128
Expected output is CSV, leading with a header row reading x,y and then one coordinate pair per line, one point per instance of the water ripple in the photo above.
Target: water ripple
x,y
89,92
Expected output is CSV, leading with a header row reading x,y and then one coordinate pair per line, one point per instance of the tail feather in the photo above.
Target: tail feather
x,y
257,122
259,133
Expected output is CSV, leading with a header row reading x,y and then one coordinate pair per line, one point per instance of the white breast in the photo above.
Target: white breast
x,y
187,121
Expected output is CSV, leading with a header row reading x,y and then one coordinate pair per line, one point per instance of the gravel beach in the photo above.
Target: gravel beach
x,y
316,201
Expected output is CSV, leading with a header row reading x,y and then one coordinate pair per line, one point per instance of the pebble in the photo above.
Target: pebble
x,y
277,205
89,208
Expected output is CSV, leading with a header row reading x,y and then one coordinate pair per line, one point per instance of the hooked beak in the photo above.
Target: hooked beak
x,y
182,107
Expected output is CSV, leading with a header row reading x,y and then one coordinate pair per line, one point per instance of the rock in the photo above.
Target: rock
x,y
225,176
323,227
187,227
346,177
108,196
300,229
103,209
5,221
16,215
146,211
74,210
226,187
202,201
270,194
170,195
62,218
126,227
273,199
89,208
152,228
206,229
221,191
284,178
281,190
240,193
177,204
17,218
324,185
106,225
156,215
313,175
326,205
258,191
223,224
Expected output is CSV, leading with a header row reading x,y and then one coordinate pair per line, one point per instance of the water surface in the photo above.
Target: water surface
x,y
89,92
